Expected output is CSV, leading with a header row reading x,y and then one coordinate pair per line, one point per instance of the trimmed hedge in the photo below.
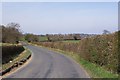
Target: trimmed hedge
x,y
10,52
101,50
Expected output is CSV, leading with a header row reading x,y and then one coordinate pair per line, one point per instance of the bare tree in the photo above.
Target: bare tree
x,y
106,32
11,33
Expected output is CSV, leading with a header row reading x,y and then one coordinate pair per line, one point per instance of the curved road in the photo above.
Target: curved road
x,y
49,64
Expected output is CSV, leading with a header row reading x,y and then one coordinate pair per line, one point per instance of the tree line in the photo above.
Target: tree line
x,y
11,33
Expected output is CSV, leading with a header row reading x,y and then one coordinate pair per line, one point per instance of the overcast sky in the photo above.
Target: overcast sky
x,y
62,17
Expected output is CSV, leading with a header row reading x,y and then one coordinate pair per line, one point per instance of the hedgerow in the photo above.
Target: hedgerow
x,y
101,50
10,52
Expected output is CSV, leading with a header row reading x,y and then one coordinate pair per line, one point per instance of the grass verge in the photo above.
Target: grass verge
x,y
23,55
94,71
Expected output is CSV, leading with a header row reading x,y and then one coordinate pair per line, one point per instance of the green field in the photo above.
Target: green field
x,y
43,38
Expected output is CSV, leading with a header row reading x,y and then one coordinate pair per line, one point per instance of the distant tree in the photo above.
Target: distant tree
x,y
75,38
106,32
28,37
31,37
14,25
48,37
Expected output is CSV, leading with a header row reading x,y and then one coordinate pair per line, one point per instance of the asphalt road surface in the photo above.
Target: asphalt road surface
x,y
49,64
